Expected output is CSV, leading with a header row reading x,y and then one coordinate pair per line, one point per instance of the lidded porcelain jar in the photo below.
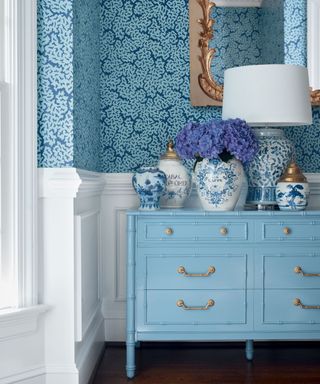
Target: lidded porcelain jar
x,y
150,184
263,172
292,189
178,179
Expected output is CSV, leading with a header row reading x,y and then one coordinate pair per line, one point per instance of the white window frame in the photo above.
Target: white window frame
x,y
314,43
18,150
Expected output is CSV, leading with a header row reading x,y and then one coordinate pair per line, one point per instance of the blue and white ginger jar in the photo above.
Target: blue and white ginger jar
x,y
150,184
292,190
178,179
219,183
263,172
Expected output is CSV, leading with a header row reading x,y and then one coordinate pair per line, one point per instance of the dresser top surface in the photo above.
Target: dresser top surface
x,y
242,213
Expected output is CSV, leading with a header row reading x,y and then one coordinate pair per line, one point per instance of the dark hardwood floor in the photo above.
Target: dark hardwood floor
x,y
218,363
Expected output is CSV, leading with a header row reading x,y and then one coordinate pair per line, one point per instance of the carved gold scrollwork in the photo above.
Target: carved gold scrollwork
x,y
315,97
206,79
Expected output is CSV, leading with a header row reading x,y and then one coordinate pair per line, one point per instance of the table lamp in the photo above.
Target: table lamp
x,y
268,96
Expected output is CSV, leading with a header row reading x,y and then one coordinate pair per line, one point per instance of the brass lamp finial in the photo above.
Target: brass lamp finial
x,y
293,174
170,154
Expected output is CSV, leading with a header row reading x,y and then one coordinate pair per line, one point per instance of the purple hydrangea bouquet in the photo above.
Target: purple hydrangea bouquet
x,y
217,139
220,147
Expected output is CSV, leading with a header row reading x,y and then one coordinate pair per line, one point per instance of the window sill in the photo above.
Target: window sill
x,y
20,321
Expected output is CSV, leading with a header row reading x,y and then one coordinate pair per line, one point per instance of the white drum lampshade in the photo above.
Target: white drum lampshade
x,y
273,95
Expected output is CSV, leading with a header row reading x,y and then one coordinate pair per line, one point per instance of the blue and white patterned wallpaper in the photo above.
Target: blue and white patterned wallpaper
x,y
306,141
272,32
143,84
295,32
145,74
68,83
236,38
55,83
86,77
144,80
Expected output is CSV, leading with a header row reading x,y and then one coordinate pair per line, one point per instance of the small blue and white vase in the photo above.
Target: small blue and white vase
x,y
219,183
292,190
150,184
178,179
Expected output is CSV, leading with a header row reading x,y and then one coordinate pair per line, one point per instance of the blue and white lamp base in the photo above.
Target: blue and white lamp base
x,y
263,172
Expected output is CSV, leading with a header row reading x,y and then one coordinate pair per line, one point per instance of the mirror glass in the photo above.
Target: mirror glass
x,y
259,32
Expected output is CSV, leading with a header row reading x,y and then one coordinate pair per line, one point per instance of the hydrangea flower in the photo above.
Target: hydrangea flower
x,y
214,139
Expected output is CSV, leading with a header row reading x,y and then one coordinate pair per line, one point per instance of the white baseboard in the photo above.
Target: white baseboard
x,y
115,329
33,375
90,350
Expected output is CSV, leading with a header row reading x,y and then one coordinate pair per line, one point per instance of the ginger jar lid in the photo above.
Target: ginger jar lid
x,y
293,174
170,154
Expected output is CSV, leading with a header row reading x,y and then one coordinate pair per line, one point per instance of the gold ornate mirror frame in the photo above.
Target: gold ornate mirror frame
x,y
204,89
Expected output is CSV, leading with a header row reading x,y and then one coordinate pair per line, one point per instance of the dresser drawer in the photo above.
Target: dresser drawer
x,y
280,307
176,307
172,231
196,272
291,271
289,231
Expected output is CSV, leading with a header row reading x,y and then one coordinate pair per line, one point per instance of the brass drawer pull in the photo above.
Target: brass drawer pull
x,y
298,303
298,269
223,231
183,271
210,303
168,231
286,230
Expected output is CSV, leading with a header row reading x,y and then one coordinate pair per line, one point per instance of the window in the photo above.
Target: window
x,y
18,264
314,43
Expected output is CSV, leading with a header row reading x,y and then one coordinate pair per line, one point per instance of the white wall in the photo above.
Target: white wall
x,y
70,247
60,342
89,322
22,352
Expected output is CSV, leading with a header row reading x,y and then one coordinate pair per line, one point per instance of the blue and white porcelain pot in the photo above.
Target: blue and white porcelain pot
x,y
292,190
275,152
219,183
150,184
178,179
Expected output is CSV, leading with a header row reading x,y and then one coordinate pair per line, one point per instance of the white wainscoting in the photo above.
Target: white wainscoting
x,y
69,247
118,195
89,324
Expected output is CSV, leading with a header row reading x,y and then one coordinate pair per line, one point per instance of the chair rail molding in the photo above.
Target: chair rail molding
x,y
118,196
58,182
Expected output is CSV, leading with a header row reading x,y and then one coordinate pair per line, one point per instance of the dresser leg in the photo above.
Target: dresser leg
x,y
131,339
130,367
249,349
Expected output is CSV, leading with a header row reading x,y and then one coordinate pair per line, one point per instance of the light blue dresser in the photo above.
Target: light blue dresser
x,y
240,275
